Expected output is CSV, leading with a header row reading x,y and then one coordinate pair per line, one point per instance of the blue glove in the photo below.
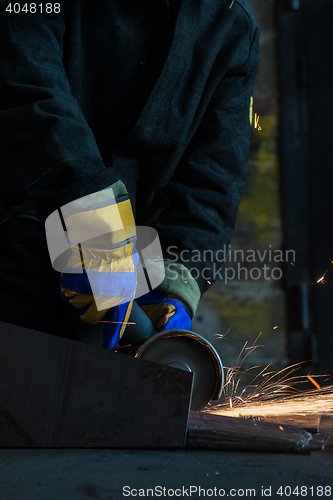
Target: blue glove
x,y
75,289
100,278
165,312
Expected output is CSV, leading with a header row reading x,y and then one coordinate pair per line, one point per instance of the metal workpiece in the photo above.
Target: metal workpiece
x,y
56,392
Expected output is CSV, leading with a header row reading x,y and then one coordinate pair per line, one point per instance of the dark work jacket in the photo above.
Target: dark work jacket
x,y
115,89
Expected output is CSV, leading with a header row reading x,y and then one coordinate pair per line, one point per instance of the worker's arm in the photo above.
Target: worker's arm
x,y
48,151
206,188
100,276
49,155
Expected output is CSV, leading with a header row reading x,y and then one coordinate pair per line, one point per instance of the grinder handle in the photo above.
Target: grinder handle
x,y
142,328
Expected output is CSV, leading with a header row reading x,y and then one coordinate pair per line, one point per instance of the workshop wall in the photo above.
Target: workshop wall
x,y
249,305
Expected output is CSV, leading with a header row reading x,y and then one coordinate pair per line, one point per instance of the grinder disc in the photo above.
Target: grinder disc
x,y
186,350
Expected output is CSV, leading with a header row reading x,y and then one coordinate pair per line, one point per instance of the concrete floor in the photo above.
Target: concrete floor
x,y
50,474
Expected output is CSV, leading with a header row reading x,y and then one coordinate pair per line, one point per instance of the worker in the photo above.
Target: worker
x,y
120,108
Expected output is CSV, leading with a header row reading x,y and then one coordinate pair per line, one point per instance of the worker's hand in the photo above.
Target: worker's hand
x,y
100,278
165,312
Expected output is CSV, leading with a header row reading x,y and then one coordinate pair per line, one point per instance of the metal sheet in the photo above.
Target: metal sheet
x,y
56,392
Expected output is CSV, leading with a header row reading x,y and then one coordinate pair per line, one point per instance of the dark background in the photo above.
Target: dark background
x,y
286,203
306,83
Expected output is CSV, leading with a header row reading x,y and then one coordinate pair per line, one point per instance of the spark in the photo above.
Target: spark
x,y
209,282
119,347
275,327
117,322
281,428
222,335
292,264
314,382
303,403
271,392
256,122
322,279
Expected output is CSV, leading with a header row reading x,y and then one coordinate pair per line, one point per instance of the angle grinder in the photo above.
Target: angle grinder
x,y
180,349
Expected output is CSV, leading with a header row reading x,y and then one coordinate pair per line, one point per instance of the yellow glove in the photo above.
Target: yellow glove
x,y
100,277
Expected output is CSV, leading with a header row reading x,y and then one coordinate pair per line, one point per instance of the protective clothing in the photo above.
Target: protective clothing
x,y
92,95
165,312
100,278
